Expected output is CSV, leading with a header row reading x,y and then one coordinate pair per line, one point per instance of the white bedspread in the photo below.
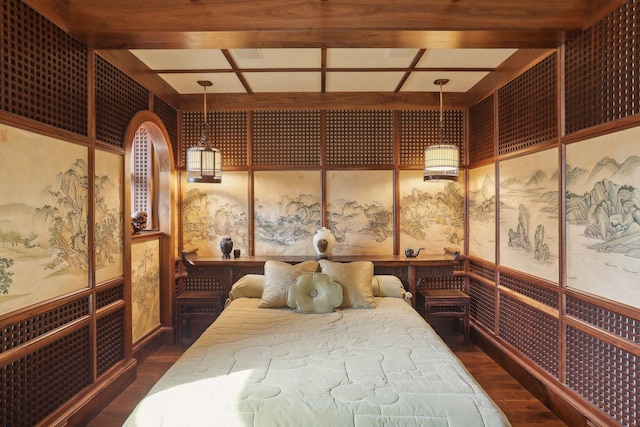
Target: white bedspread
x,y
273,367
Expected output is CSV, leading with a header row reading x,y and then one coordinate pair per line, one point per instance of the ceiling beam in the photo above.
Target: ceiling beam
x,y
227,24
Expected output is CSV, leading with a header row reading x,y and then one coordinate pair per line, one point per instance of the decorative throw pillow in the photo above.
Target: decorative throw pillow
x,y
388,286
278,275
314,293
248,286
355,279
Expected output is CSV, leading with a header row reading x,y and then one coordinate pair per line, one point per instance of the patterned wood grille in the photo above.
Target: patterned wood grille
x,y
110,333
43,70
530,331
482,271
527,108
229,129
623,326
37,384
169,117
482,128
538,293
286,138
214,282
20,332
104,297
451,282
142,175
359,138
418,129
482,304
118,99
603,70
605,375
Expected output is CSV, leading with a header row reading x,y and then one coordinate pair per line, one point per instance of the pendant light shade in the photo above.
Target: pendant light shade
x,y
441,161
204,162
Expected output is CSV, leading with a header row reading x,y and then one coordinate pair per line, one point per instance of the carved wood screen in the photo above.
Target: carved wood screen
x,y
42,70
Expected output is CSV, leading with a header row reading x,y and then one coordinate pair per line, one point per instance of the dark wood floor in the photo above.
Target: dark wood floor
x,y
520,407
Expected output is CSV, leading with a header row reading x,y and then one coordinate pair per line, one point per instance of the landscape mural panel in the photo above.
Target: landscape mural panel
x,y
145,286
431,213
213,211
288,211
109,216
360,212
482,212
603,216
44,206
528,197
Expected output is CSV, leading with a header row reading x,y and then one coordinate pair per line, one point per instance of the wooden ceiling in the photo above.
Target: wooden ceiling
x,y
114,27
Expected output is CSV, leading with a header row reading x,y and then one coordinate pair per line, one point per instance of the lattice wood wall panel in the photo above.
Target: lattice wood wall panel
x,y
229,129
169,117
483,271
106,295
289,138
118,99
538,293
481,131
605,375
603,70
482,304
35,385
608,320
359,138
527,108
532,332
110,343
15,333
43,71
418,129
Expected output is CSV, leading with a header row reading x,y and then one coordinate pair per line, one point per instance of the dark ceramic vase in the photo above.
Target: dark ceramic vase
x,y
226,246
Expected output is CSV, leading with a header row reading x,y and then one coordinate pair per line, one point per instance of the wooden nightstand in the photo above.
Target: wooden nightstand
x,y
447,303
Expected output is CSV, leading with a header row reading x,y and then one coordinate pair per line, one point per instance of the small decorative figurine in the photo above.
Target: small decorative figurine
x,y
138,221
410,254
226,246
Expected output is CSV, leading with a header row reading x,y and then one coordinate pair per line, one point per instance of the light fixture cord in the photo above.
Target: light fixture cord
x,y
205,106
441,117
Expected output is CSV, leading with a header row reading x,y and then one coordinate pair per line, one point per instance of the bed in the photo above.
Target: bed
x,y
291,366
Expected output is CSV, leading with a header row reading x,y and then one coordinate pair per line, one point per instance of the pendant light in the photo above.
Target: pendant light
x,y
204,162
441,160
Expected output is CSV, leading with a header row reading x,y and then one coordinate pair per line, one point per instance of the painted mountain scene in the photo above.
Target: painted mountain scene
x,y
43,231
529,214
603,216
431,213
482,212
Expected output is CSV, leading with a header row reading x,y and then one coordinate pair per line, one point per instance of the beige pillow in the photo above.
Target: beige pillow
x,y
355,279
314,293
388,286
248,286
278,275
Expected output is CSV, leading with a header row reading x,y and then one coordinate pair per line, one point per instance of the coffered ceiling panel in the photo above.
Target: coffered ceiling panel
x,y
422,81
273,82
276,58
182,59
185,83
365,81
370,58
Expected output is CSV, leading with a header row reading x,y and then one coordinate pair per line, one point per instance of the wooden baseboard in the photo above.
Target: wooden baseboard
x,y
567,407
151,343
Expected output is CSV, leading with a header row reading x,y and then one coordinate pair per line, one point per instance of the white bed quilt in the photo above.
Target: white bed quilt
x,y
273,367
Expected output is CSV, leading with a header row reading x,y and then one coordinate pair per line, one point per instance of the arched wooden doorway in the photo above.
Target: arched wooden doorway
x,y
166,214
